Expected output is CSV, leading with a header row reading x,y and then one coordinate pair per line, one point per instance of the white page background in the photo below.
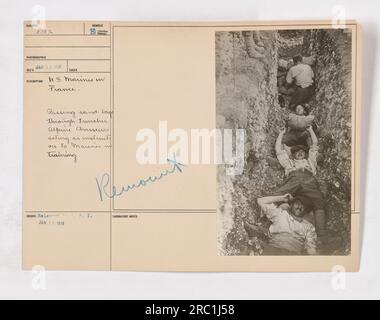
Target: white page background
x,y
15,283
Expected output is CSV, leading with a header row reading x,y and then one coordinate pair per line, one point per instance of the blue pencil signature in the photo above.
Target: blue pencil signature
x,y
104,183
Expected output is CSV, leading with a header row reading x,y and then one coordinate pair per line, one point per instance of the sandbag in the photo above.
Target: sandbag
x,y
300,122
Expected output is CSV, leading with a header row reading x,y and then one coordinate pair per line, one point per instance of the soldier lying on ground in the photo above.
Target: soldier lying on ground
x,y
289,233
300,171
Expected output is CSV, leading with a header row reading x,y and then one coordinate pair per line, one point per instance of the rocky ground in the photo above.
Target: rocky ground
x,y
247,97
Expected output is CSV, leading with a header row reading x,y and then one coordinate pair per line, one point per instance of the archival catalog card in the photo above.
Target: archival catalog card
x,y
213,146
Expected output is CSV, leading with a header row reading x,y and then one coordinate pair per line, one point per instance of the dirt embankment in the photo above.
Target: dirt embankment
x,y
332,107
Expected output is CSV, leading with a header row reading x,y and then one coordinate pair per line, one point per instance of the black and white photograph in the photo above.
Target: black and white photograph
x,y
190,157
291,92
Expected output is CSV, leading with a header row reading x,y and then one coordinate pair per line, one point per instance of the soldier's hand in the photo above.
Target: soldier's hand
x,y
283,129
